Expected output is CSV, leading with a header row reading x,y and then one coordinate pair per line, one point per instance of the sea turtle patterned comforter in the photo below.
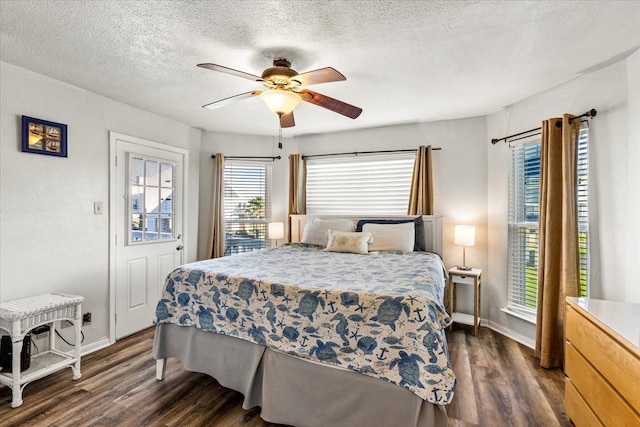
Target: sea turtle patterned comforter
x,y
379,314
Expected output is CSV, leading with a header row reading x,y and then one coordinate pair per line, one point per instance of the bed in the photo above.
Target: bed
x,y
364,345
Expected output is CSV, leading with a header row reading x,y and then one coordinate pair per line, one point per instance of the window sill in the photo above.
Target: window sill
x,y
527,317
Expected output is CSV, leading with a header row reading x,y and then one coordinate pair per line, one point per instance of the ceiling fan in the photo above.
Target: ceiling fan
x,y
284,90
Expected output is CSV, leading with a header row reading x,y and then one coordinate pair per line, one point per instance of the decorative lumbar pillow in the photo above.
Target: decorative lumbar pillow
x,y
391,237
351,242
315,231
420,244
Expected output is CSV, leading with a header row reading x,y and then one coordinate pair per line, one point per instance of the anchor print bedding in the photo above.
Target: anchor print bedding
x,y
380,314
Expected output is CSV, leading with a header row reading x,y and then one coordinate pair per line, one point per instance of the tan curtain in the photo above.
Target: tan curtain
x,y
216,236
558,262
421,196
297,188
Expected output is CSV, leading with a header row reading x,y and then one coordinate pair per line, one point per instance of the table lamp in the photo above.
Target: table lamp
x,y
275,231
464,235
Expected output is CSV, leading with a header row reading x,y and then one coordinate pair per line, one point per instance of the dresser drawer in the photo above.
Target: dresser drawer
x,y
467,280
578,410
617,364
607,404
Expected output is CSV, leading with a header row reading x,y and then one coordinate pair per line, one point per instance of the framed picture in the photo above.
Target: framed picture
x,y
44,137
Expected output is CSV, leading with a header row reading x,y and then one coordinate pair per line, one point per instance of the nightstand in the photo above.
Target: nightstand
x,y
18,317
473,278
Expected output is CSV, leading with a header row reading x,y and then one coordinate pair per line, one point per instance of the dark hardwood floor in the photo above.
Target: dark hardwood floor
x,y
499,384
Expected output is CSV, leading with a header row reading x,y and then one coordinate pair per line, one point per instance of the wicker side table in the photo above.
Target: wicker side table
x,y
20,316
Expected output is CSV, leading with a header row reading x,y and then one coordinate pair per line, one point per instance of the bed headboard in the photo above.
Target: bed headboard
x,y
433,227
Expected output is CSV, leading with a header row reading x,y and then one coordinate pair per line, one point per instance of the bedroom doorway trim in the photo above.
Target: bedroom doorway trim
x,y
137,266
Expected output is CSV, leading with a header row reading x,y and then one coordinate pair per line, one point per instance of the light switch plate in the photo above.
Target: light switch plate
x,y
97,208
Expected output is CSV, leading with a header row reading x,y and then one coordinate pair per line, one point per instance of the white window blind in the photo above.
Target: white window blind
x,y
583,208
524,192
372,184
247,205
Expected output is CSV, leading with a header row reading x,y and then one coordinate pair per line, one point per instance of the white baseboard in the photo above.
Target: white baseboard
x,y
510,334
94,346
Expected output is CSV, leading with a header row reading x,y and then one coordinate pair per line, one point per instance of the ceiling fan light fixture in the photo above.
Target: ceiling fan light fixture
x,y
280,101
284,90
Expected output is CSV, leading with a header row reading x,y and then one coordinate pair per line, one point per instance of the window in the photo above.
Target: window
x,y
367,184
151,207
247,205
524,192
583,208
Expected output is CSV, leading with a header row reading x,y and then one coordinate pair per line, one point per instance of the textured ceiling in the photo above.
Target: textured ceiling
x,y
405,61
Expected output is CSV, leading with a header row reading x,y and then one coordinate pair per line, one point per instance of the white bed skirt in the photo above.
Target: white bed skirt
x,y
291,390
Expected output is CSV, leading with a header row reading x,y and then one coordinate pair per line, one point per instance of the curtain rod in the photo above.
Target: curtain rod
x,y
591,113
213,156
355,153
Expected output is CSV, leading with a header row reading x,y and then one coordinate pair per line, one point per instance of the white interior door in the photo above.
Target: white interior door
x,y
148,229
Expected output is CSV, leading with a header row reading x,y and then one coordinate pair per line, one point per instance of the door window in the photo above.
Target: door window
x,y
151,207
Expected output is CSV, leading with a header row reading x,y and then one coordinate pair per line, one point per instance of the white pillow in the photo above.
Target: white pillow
x,y
391,237
351,242
315,231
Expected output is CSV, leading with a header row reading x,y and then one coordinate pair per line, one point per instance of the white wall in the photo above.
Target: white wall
x,y
50,239
632,291
613,179
460,170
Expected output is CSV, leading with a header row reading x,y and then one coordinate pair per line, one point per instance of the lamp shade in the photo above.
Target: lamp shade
x,y
280,101
465,235
276,230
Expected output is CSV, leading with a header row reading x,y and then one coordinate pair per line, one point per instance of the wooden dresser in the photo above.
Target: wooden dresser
x,y
602,362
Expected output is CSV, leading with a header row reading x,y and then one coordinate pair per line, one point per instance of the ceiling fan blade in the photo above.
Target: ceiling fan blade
x,y
330,103
323,75
287,121
227,70
229,100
